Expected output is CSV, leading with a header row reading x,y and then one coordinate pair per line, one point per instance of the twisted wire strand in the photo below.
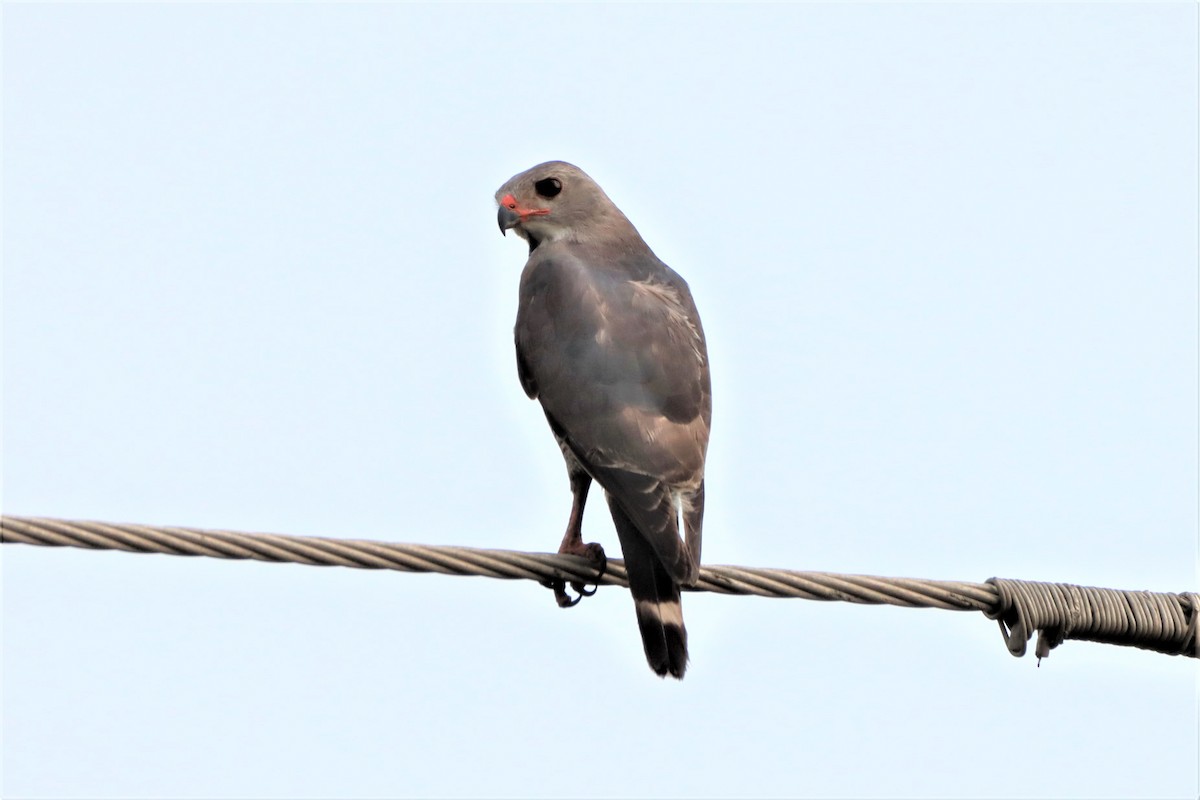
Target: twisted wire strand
x,y
1166,623
509,564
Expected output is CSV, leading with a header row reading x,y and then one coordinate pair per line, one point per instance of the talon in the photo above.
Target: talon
x,y
561,597
594,553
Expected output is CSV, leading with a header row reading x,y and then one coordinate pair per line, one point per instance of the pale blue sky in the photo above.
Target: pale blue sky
x,y
946,257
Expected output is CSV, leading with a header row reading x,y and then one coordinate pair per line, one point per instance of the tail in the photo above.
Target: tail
x,y
655,598
693,525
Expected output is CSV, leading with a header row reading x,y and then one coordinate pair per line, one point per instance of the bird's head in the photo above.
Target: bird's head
x,y
555,201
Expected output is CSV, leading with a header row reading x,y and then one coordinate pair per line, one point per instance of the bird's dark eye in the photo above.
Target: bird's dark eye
x,y
548,187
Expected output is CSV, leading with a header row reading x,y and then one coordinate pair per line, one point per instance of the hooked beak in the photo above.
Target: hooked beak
x,y
510,214
507,219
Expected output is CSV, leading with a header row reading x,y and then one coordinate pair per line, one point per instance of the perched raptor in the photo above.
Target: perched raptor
x,y
609,341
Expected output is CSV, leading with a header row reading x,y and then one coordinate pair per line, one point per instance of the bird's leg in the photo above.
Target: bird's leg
x,y
572,543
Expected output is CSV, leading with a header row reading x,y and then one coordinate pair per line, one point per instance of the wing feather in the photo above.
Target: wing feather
x,y
616,355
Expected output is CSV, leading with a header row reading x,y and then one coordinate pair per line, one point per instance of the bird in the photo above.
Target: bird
x,y
609,342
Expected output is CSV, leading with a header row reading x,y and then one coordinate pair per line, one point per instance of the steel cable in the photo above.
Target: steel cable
x,y
1163,622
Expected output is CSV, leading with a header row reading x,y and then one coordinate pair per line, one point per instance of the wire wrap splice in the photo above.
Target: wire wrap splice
x,y
1166,623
